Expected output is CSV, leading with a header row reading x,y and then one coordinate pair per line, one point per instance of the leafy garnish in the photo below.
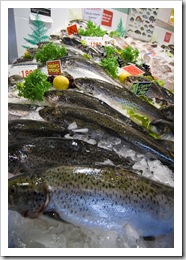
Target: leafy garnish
x,y
35,86
50,51
92,30
129,54
114,34
110,51
111,66
138,119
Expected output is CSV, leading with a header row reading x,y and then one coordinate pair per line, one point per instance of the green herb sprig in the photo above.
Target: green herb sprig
x,y
129,54
50,51
111,66
92,30
35,86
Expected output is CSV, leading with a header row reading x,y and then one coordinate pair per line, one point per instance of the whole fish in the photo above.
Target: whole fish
x,y
24,129
94,120
46,152
16,110
72,41
76,98
80,67
120,99
76,44
101,197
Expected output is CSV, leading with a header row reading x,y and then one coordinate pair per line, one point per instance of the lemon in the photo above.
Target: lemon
x,y
60,82
123,76
27,55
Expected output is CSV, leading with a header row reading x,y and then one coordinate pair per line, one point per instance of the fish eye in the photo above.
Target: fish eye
x,y
13,189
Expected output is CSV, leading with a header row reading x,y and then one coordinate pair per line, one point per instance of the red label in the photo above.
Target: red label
x,y
133,70
72,29
167,37
54,67
107,18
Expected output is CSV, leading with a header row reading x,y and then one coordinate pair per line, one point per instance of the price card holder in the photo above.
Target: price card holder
x,y
23,70
133,70
72,29
141,88
93,41
54,67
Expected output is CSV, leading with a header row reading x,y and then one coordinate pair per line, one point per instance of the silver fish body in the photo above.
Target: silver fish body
x,y
120,99
16,110
93,120
80,99
50,151
80,67
25,129
101,197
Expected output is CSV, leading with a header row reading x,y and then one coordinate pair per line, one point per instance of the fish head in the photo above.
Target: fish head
x,y
13,161
52,96
162,128
27,195
85,84
67,62
54,114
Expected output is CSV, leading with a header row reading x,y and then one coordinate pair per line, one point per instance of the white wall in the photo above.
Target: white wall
x,y
159,33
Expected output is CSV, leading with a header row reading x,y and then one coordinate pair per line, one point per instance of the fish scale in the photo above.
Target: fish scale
x,y
97,197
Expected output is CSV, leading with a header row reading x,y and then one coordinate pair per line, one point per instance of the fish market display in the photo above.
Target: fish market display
x,y
80,67
91,149
47,152
20,130
93,120
95,197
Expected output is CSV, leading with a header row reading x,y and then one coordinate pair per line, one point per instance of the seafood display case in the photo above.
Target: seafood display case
x,y
91,132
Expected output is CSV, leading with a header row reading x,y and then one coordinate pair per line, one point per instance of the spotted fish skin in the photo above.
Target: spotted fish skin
x,y
24,129
94,120
96,197
46,152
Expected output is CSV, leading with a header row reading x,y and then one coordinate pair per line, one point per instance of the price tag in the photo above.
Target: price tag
x,y
22,70
72,29
133,70
54,67
93,41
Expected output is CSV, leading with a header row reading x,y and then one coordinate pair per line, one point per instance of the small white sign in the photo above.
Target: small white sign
x,y
22,70
93,41
93,14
